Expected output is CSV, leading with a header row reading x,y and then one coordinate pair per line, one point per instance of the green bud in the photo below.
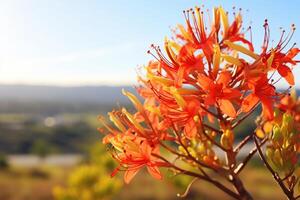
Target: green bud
x,y
276,112
226,141
194,142
201,148
276,133
182,150
192,152
277,159
287,118
269,153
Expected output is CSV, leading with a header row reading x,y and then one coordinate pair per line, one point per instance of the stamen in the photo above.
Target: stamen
x,y
196,26
149,52
293,28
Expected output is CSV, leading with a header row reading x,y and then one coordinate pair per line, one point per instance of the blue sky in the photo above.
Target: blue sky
x,y
69,42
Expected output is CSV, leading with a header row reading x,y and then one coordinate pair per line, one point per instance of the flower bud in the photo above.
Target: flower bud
x,y
276,133
227,139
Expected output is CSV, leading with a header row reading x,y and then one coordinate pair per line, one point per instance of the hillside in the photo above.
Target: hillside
x,y
56,99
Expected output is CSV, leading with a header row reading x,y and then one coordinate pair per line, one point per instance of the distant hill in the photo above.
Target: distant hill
x,y
53,99
56,99
85,94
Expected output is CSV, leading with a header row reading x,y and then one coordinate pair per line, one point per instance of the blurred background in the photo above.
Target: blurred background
x,y
64,62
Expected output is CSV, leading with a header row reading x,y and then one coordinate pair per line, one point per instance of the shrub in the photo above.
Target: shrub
x,y
3,162
91,180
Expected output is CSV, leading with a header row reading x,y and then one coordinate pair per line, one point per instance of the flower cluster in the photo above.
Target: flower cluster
x,y
205,83
283,135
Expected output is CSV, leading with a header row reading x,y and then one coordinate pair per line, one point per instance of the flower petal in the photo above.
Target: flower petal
x,y
229,93
190,128
267,109
224,78
287,74
130,173
249,102
204,81
154,171
227,108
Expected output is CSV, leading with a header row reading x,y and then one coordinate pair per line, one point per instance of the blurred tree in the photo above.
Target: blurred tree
x,y
3,161
40,148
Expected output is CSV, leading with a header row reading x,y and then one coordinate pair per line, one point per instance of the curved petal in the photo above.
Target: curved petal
x,y
229,93
293,52
179,77
287,74
154,171
210,99
130,173
249,102
227,108
205,82
267,109
190,128
224,78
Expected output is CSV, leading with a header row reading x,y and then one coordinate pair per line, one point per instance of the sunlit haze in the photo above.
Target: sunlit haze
x,y
104,42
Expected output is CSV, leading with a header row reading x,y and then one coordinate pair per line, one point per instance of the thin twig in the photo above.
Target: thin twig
x,y
248,158
244,117
212,128
275,175
210,112
214,142
287,176
188,188
205,178
242,143
189,156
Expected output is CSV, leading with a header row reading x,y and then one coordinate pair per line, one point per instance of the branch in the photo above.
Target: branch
x,y
210,112
275,175
185,156
189,156
205,178
213,141
242,143
241,166
212,128
244,117
287,176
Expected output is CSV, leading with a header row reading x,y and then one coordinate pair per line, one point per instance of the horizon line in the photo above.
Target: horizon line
x,y
105,84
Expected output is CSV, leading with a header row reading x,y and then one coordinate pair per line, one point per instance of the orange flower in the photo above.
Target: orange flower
x,y
279,61
276,59
136,153
184,117
178,107
261,91
188,63
219,92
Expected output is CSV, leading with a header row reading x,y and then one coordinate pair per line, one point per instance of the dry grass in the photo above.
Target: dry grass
x,y
36,184
258,181
29,184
